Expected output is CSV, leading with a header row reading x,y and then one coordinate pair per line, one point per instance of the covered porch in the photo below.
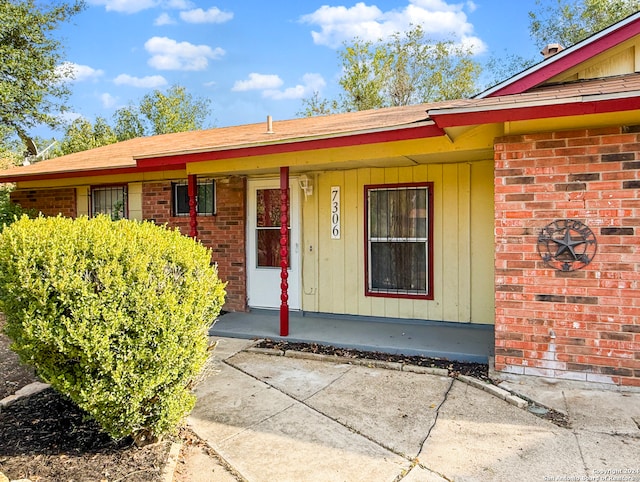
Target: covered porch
x,y
453,341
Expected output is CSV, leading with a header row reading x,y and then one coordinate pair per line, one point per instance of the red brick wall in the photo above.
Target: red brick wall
x,y
49,202
224,233
583,324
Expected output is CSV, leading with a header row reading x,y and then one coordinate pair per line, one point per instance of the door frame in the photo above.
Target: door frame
x,y
260,277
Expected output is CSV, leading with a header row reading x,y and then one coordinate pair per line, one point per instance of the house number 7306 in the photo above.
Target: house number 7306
x,y
335,212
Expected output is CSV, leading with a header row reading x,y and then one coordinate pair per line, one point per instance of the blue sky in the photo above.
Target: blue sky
x,y
257,58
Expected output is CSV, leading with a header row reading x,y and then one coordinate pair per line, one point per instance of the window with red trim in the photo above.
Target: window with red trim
x,y
399,255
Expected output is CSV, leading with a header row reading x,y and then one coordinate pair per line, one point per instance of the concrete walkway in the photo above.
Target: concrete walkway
x,y
289,419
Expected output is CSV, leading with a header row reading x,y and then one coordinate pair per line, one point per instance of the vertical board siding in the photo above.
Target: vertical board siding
x,y
134,199
482,247
339,281
82,196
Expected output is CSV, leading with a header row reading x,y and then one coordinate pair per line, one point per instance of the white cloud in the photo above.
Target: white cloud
x,y
311,83
167,54
148,82
270,85
213,15
134,6
257,82
178,4
163,19
125,6
439,19
108,101
78,73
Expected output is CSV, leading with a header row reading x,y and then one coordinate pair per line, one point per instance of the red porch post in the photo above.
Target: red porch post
x,y
284,251
192,189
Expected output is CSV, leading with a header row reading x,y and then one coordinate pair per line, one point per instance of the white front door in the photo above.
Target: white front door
x,y
263,244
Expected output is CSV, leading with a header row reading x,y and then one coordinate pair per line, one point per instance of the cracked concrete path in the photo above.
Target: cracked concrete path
x,y
289,419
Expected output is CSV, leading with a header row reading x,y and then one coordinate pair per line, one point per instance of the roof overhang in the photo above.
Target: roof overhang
x,y
536,109
9,178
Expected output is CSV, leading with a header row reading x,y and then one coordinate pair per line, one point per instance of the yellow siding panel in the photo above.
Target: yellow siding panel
x,y
463,223
351,214
464,242
451,241
482,245
134,197
82,201
435,309
364,302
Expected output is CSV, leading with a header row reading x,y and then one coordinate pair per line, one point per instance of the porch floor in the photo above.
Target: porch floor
x,y
453,341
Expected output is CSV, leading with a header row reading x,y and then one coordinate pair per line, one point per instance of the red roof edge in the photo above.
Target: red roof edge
x,y
476,117
404,133
569,58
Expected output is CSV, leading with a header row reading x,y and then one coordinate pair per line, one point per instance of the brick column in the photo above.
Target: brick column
x,y
584,324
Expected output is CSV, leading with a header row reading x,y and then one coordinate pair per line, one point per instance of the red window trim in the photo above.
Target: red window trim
x,y
429,295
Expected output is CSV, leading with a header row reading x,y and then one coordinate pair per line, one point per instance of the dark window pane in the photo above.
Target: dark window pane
x,y
268,208
399,267
181,199
206,198
268,247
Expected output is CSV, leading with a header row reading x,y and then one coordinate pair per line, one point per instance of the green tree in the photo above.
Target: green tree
x,y
419,70
32,82
128,123
316,105
82,135
162,113
408,68
567,22
364,65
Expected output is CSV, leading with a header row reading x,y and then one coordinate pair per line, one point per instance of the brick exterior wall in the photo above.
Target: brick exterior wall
x,y
49,202
224,233
583,324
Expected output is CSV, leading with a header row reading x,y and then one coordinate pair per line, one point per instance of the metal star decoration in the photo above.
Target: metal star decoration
x,y
567,245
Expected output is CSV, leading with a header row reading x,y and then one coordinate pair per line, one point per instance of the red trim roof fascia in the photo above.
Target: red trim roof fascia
x,y
89,173
406,133
569,60
458,119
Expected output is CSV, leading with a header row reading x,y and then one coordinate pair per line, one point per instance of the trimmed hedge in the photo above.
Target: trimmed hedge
x,y
113,314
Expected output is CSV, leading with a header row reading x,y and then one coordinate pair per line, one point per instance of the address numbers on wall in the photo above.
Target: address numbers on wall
x,y
335,212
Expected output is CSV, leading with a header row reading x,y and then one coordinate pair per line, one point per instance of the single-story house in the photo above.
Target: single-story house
x,y
519,207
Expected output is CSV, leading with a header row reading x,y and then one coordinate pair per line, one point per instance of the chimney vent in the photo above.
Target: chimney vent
x,y
551,49
269,125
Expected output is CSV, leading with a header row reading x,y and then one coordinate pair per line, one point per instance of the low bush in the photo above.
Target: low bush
x,y
10,212
113,314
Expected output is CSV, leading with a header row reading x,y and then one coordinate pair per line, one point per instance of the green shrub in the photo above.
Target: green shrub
x,y
113,314
9,212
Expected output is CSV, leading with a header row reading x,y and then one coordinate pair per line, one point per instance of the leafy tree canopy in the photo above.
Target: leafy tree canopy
x,y
161,113
82,135
157,113
32,81
407,68
567,22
